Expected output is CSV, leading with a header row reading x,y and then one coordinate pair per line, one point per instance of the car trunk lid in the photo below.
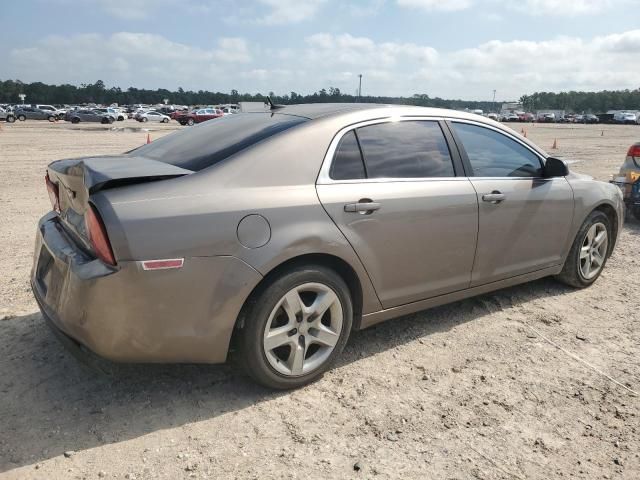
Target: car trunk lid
x,y
77,179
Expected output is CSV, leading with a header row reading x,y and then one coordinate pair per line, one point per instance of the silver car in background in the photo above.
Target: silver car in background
x,y
274,234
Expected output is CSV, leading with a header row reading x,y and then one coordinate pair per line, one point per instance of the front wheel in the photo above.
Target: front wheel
x,y
165,120
295,327
144,119
191,121
589,252
11,119
51,118
22,118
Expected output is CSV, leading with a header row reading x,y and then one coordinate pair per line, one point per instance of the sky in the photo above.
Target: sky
x,y
443,48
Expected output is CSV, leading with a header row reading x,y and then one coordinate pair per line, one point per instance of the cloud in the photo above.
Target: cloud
x,y
564,7
126,58
436,5
327,59
282,12
530,7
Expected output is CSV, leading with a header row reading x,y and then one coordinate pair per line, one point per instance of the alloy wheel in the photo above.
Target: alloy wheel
x,y
303,329
594,251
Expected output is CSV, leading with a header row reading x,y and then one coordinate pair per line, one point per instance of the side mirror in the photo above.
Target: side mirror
x,y
554,167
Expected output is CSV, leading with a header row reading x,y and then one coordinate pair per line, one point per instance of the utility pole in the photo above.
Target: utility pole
x,y
494,101
359,86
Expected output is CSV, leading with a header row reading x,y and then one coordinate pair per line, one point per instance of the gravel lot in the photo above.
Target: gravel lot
x,y
533,382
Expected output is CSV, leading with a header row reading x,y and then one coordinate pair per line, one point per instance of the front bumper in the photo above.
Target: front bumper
x,y
127,314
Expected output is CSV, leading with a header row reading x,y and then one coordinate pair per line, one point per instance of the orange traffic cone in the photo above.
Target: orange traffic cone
x,y
148,138
555,144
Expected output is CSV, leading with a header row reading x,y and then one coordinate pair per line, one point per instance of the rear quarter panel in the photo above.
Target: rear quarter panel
x,y
198,215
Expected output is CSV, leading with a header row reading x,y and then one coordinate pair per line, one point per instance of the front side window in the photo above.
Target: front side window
x,y
493,154
405,149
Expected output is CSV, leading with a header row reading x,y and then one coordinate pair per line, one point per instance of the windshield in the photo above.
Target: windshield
x,y
201,146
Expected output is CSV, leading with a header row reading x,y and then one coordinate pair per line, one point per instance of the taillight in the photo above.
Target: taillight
x,y
54,193
98,236
634,151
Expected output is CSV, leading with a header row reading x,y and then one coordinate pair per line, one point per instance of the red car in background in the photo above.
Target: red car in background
x,y
198,116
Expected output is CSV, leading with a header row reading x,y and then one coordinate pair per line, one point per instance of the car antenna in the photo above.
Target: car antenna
x,y
273,106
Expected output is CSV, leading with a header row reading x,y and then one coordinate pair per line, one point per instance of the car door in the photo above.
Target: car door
x,y
524,218
398,194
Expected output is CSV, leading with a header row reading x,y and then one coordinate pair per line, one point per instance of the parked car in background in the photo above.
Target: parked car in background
x,y
117,115
547,118
628,179
526,117
626,118
87,115
59,114
31,113
199,116
153,116
177,113
287,229
590,119
7,116
510,117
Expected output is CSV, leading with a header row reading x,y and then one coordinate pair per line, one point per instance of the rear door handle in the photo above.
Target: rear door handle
x,y
362,207
494,197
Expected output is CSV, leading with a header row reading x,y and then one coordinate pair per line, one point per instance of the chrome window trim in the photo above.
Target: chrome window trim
x,y
325,179
541,158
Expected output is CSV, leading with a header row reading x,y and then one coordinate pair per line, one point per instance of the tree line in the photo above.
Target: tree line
x,y
98,92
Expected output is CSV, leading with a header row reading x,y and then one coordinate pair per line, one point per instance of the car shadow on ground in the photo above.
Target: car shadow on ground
x,y
50,403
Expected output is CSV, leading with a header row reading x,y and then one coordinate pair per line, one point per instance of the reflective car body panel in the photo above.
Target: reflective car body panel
x,y
431,241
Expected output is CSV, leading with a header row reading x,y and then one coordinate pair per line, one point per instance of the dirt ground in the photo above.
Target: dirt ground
x,y
531,382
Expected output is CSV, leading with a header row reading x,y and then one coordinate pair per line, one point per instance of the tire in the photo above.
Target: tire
x,y
110,120
277,368
11,119
75,120
51,118
191,121
165,120
22,118
573,272
144,119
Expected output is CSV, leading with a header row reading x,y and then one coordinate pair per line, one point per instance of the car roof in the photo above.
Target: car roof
x,y
314,111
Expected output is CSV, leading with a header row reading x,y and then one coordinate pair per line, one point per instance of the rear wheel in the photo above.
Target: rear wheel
x,y
295,327
165,120
22,118
51,118
144,119
75,120
11,119
191,121
589,252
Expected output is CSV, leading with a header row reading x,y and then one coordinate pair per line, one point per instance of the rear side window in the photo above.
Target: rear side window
x,y
410,149
493,154
347,163
204,145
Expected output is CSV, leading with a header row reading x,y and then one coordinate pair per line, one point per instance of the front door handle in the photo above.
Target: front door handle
x,y
363,206
494,197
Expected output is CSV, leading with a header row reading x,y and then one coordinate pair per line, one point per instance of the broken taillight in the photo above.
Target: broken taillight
x,y
98,236
54,193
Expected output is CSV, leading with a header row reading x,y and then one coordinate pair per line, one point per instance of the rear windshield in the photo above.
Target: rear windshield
x,y
208,143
